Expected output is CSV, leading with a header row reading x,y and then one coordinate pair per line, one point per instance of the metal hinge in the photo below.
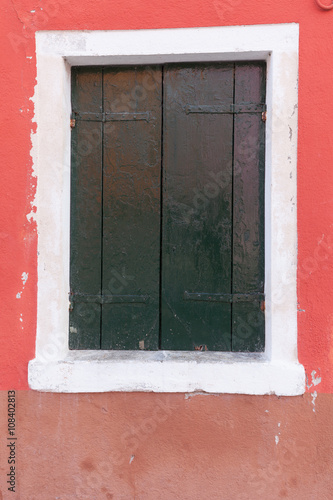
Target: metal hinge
x,y
225,109
225,297
264,116
72,122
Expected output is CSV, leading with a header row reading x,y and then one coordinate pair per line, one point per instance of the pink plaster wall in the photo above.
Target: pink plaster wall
x,y
170,447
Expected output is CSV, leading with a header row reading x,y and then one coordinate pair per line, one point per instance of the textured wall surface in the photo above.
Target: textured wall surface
x,y
146,446
152,447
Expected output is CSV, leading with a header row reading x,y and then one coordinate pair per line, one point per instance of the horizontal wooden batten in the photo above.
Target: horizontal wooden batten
x,y
224,297
226,109
111,117
109,299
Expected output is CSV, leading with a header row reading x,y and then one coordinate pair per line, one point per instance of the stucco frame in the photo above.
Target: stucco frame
x,y
55,368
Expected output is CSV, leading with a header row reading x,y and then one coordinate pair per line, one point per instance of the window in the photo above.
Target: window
x,y
55,367
167,227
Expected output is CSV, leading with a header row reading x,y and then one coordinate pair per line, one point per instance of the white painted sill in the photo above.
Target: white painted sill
x,y
167,371
57,369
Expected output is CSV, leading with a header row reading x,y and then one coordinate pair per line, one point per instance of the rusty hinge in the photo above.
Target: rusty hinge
x,y
264,116
262,306
72,122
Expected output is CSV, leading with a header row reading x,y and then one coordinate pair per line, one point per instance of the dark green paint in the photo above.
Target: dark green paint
x,y
248,332
201,229
85,261
197,207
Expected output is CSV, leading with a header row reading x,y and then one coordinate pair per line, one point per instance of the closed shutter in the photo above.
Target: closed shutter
x,y
168,212
115,219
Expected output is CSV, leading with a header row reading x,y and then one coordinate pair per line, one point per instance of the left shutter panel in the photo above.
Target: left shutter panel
x,y
86,210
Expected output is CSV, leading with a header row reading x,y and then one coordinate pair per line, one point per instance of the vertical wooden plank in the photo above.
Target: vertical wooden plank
x,y
131,207
248,209
196,220
86,182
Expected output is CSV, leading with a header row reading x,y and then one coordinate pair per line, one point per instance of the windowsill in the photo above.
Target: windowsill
x,y
167,371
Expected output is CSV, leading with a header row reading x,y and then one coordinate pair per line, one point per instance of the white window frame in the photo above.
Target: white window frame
x,y
55,367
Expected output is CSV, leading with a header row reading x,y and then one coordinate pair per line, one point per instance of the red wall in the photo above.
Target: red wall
x,y
139,446
122,446
18,237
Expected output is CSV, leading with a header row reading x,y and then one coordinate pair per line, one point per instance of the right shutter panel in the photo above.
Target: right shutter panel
x,y
197,210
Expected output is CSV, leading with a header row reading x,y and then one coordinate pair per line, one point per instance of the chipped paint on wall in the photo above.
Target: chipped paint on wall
x,y
315,379
277,436
24,278
314,397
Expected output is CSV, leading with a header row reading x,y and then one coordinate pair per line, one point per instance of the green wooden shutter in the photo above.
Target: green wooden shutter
x,y
115,214
213,208
207,242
